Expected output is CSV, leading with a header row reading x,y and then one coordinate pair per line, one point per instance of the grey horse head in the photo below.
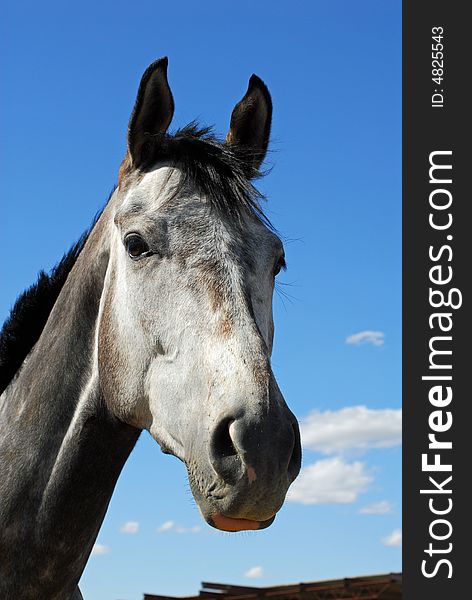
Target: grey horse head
x,y
185,324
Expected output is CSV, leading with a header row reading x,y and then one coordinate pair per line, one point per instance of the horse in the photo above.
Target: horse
x,y
158,319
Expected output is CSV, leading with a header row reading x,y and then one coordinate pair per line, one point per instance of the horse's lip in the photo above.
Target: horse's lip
x,y
223,523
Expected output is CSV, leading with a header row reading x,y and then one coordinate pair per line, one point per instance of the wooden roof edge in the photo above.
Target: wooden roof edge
x,y
158,597
227,591
226,588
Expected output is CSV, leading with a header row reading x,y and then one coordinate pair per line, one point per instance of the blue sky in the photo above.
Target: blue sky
x,y
70,74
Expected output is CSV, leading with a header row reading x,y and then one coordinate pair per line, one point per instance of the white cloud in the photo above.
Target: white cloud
x,y
172,526
353,427
194,529
376,338
100,549
394,539
254,572
130,527
377,508
166,526
330,481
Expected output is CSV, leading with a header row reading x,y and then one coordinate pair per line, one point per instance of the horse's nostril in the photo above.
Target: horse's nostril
x,y
222,444
238,448
296,458
223,454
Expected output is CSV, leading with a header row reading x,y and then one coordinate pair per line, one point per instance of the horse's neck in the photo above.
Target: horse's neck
x,y
61,450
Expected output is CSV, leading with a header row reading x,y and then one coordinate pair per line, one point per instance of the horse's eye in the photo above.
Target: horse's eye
x,y
135,245
281,264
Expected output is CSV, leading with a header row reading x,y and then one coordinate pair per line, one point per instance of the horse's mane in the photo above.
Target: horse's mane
x,y
221,171
27,318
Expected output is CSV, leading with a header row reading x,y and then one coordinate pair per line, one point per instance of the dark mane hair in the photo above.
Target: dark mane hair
x,y
32,308
223,172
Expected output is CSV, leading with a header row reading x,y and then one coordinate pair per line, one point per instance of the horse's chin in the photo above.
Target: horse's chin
x,y
223,523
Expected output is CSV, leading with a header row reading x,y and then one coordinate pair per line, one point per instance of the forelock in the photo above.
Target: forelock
x,y
220,171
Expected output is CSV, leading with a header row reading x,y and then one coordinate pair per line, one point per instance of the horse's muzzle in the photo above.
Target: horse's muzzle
x,y
252,462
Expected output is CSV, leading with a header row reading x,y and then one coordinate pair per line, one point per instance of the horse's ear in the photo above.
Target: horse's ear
x,y
153,110
251,119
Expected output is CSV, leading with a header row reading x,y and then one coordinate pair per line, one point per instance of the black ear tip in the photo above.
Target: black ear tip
x,y
162,63
159,64
256,83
